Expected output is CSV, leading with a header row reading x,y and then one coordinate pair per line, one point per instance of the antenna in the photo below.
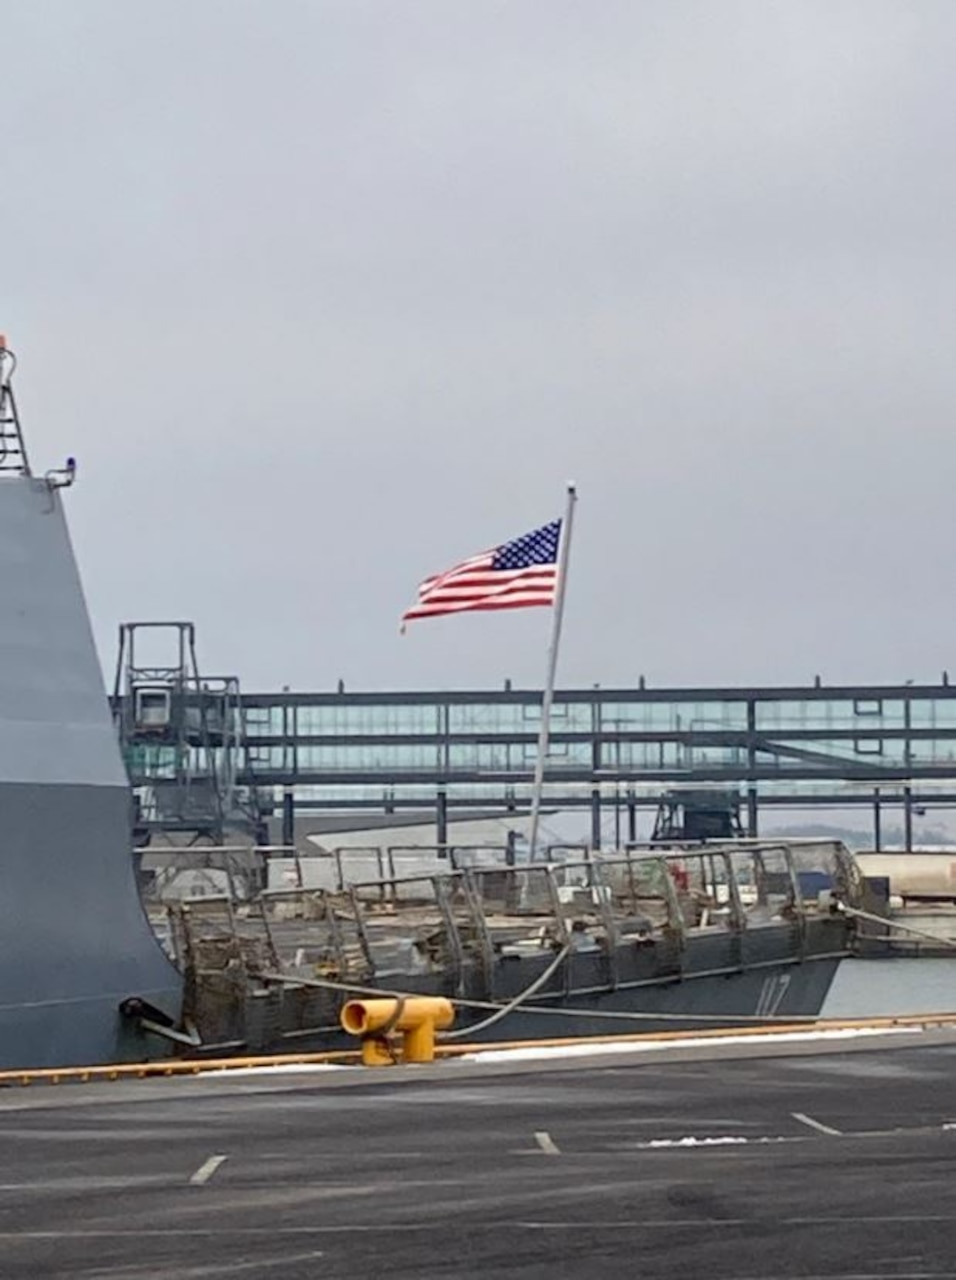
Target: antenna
x,y
13,452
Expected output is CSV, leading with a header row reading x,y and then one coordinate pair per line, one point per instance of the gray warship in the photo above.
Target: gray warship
x,y
746,933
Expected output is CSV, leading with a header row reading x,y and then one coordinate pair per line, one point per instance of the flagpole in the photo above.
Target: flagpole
x,y
545,730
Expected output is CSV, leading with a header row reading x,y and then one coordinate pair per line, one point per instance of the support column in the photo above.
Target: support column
x,y
751,769
596,818
631,818
441,817
288,817
877,821
752,812
907,791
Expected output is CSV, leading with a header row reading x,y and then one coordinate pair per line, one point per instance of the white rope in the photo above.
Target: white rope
x,y
512,1004
614,1015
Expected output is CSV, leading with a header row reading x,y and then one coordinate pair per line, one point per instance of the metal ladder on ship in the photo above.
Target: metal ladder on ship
x,y
13,452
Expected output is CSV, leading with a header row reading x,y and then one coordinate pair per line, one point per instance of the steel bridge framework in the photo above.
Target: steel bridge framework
x,y
616,750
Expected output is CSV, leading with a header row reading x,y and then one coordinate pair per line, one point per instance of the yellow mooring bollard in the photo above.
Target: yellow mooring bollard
x,y
416,1017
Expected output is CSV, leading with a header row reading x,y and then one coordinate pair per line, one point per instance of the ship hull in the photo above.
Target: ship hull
x,y
75,943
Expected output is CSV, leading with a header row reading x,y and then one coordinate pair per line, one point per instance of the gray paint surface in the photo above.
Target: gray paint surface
x,y
74,939
890,987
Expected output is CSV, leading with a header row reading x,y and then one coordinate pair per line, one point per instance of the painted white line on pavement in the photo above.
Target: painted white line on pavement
x,y
206,1170
606,1048
547,1143
664,1144
816,1124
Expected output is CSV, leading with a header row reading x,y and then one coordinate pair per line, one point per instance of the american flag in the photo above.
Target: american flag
x,y
516,575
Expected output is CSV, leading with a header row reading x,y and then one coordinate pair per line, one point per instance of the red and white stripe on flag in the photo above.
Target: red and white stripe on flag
x,y
518,574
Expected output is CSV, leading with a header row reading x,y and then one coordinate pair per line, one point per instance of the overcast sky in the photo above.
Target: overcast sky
x,y
326,295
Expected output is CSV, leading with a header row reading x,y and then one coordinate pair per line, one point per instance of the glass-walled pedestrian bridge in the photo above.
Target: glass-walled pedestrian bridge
x,y
623,749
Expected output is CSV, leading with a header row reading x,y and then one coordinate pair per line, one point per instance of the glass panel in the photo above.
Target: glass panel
x,y
792,715
641,755
338,719
823,714
933,713
342,758
714,757
486,717
713,715
483,755
574,717
504,756
641,716
149,760
926,751
262,719
837,750
517,717
868,707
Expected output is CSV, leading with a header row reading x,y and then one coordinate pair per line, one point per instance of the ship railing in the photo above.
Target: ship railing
x,y
344,864
347,864
456,920
329,936
731,887
330,870
212,934
735,886
410,924
452,921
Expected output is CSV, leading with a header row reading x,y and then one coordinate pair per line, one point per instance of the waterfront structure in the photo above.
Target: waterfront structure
x,y
613,752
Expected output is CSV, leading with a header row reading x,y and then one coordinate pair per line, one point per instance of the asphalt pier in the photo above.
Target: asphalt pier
x,y
793,1160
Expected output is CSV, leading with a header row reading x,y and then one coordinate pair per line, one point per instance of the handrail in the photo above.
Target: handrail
x,y
461,903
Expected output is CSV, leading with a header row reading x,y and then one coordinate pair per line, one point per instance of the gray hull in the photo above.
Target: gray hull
x,y
707,1003
821,986
716,981
75,941
826,988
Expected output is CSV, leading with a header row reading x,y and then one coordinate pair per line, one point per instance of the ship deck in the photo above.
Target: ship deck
x,y
770,1160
